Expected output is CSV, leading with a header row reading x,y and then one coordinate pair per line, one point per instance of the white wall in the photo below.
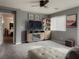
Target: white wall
x,y
1,29
21,18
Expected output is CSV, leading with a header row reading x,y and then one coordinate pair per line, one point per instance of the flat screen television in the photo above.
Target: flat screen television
x,y
35,25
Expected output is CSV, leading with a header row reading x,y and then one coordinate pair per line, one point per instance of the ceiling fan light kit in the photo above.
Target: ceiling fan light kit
x,y
42,3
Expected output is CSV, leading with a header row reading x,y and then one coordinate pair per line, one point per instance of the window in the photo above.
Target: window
x,y
58,23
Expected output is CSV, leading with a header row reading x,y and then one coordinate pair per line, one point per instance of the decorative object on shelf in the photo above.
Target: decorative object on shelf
x,y
46,24
37,17
71,21
31,16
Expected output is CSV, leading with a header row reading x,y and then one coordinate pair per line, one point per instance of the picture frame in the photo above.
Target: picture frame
x,y
46,24
11,25
71,21
31,16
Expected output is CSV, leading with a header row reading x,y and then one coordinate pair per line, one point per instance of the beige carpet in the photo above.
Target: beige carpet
x,y
21,51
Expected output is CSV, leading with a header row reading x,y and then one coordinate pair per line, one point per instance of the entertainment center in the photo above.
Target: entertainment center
x,y
37,32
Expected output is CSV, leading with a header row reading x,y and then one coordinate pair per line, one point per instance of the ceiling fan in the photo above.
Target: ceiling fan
x,y
42,3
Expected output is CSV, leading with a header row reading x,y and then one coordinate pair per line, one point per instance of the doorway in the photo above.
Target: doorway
x,y
8,27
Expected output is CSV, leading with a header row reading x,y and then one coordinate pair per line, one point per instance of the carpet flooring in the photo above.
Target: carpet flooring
x,y
20,51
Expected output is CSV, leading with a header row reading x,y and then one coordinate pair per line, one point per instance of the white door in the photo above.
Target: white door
x,y
1,29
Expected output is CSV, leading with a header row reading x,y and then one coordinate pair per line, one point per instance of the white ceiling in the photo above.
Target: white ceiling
x,y
26,5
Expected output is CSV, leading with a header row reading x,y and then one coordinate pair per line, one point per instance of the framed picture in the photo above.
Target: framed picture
x,y
11,25
46,24
37,17
71,21
31,16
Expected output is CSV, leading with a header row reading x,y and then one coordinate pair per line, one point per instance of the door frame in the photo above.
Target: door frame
x,y
9,10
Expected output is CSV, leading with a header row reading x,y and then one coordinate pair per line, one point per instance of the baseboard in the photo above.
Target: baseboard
x,y
18,43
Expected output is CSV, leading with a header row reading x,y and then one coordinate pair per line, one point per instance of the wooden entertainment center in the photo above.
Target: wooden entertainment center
x,y
38,30
38,36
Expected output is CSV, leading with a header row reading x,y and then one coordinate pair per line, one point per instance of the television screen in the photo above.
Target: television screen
x,y
35,25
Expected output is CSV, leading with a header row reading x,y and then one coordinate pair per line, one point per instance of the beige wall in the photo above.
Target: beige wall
x,y
7,21
8,18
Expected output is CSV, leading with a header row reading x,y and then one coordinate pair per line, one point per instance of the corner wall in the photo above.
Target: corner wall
x,y
61,36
